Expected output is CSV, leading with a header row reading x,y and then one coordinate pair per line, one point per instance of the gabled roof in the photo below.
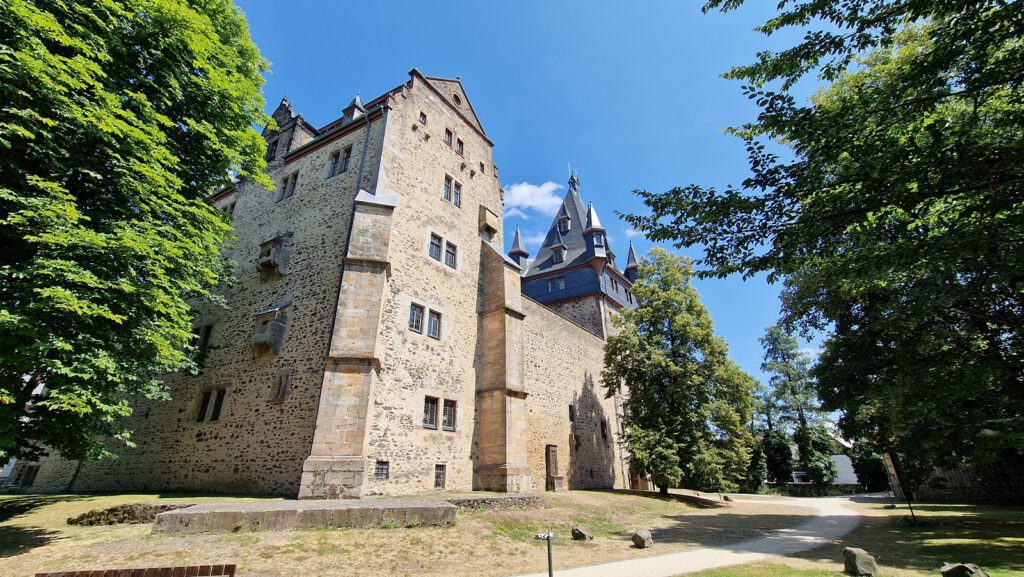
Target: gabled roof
x,y
452,89
575,245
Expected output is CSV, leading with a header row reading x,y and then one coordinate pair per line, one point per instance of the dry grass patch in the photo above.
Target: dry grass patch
x,y
34,536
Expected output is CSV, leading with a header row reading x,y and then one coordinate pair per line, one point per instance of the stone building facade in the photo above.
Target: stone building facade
x,y
378,340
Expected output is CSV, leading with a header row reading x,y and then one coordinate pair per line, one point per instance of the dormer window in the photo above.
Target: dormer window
x,y
598,239
558,255
563,224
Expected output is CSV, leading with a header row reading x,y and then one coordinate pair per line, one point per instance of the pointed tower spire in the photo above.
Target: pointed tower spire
x,y
518,253
354,110
632,268
593,223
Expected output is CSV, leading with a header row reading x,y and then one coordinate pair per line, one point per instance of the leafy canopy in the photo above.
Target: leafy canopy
x,y
687,403
117,119
895,219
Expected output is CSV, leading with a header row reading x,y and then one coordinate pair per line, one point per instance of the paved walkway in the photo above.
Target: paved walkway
x,y
832,521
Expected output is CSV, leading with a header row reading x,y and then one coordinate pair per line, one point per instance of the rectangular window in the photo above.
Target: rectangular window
x,y
558,255
604,430
382,470
448,188
423,118
448,137
459,146
448,416
556,284
288,186
218,404
284,382
598,239
271,150
457,197
416,318
439,474
332,168
434,324
201,343
204,406
346,159
210,406
450,254
435,247
572,413
430,412
563,225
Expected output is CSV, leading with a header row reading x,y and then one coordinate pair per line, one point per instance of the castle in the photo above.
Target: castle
x,y
379,340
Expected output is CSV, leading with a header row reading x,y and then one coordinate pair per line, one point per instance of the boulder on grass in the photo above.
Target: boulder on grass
x,y
581,534
962,570
642,539
858,562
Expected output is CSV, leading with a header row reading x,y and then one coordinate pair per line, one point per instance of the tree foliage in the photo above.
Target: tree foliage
x,y
792,386
117,119
687,404
778,456
757,472
815,447
868,466
895,218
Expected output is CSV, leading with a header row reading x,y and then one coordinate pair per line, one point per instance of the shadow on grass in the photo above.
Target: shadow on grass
x,y
696,501
19,505
18,539
742,532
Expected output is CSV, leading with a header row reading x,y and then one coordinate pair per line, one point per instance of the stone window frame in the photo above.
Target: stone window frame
x,y
271,151
283,385
457,193
434,323
210,405
460,147
288,185
346,159
423,118
451,255
449,419
447,191
572,413
382,470
201,335
440,475
449,136
604,429
558,255
430,407
417,312
333,162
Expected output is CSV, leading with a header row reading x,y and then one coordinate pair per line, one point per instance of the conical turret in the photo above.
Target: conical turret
x,y
518,253
632,268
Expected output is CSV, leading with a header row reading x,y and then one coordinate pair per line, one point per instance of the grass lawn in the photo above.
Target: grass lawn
x,y
992,538
34,536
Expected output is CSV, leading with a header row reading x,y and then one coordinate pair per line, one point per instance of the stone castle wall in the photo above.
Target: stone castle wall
x,y
259,444
586,312
563,364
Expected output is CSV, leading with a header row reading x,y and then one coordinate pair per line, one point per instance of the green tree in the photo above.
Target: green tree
x,y
792,386
118,118
815,447
778,456
687,404
890,205
757,472
868,466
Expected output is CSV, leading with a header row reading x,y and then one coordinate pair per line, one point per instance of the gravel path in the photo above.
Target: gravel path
x,y
833,520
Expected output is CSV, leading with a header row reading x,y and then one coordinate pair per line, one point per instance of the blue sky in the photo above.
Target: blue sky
x,y
631,97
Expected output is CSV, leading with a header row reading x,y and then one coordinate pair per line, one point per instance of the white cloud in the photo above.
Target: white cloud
x,y
813,352
631,232
533,240
540,198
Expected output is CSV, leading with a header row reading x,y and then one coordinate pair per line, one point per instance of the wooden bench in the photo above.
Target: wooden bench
x,y
185,571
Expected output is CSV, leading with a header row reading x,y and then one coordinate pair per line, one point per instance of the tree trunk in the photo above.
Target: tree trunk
x,y
663,489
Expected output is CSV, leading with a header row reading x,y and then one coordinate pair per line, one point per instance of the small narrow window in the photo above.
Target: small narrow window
x,y
210,405
459,147
439,475
482,169
416,318
218,404
572,413
201,343
448,188
346,159
423,117
204,406
558,255
435,247
563,224
604,430
430,412
448,416
382,470
451,253
332,168
598,239
271,150
448,137
457,195
434,325
284,382
288,186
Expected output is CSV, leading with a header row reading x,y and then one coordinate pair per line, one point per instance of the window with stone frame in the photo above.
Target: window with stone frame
x,y
448,135
572,413
416,318
448,415
557,255
604,430
271,150
211,403
440,472
459,147
457,194
332,166
201,343
451,254
346,159
447,188
283,384
287,186
382,470
435,247
430,412
434,324
423,117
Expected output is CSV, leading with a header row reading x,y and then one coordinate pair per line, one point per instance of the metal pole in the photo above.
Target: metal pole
x,y
551,566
